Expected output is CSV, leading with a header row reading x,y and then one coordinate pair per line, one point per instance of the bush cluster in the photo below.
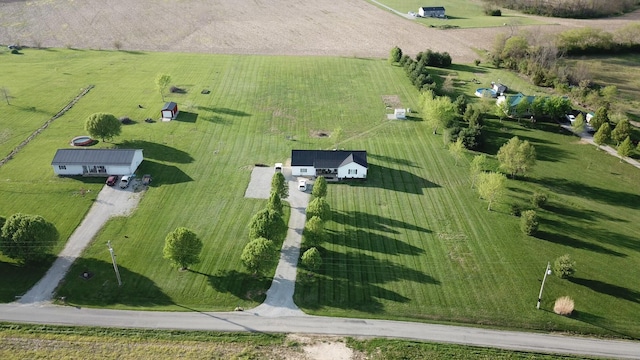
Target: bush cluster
x,y
417,69
569,8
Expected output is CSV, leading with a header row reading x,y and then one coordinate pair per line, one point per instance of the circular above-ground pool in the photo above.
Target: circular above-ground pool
x,y
81,141
486,92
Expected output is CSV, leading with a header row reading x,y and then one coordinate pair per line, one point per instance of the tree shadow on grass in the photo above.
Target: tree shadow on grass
x,y
224,111
18,279
616,291
394,179
351,281
597,235
319,291
102,289
576,188
239,284
598,321
392,160
364,220
365,240
575,243
582,215
163,174
558,236
158,151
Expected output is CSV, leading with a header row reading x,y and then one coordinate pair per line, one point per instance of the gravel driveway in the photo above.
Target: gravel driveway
x,y
111,201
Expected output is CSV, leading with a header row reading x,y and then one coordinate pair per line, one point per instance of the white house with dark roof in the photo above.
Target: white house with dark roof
x,y
96,162
431,11
340,164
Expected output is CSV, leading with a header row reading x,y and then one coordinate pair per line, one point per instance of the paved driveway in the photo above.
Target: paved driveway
x,y
111,201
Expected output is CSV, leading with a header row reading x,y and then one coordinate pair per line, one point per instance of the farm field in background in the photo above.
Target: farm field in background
x,y
461,13
412,242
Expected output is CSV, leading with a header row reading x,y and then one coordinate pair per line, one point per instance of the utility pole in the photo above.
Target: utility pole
x,y
115,265
546,272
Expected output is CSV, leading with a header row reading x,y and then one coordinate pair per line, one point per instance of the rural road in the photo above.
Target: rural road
x,y
244,321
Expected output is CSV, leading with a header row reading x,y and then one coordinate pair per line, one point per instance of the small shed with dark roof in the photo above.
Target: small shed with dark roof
x,y
341,164
96,162
169,111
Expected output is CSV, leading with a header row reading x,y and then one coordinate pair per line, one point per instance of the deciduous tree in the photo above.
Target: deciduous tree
x,y
395,55
320,208
602,135
624,150
314,232
438,112
517,157
529,222
162,81
578,125
27,238
259,255
491,187
456,149
275,203
477,167
621,131
279,185
600,117
182,247
103,125
312,259
267,224
564,267
319,187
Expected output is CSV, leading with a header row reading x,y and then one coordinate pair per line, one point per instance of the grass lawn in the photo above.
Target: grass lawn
x,y
460,13
412,242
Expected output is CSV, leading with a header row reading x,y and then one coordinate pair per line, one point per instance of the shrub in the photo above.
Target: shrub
x,y
15,51
564,267
477,62
177,90
515,210
125,120
529,222
538,199
563,306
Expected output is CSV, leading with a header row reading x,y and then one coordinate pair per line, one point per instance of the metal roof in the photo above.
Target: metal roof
x,y
326,159
94,156
170,106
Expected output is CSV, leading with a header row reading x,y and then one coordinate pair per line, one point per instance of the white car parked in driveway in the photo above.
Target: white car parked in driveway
x,y
302,185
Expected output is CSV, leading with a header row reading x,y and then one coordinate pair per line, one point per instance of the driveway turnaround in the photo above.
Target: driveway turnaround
x,y
112,201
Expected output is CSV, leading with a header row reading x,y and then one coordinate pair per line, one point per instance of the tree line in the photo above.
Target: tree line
x,y
582,9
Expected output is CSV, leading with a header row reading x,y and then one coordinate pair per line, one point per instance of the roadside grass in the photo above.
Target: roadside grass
x,y
60,342
412,242
461,13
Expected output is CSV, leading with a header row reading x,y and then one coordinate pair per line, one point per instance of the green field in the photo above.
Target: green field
x,y
460,13
412,242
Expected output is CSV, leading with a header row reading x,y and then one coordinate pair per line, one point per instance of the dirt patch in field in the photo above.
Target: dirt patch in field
x,y
319,134
392,101
324,348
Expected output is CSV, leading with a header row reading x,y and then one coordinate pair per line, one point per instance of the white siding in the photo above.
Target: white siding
x,y
352,170
303,171
137,160
167,114
67,169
